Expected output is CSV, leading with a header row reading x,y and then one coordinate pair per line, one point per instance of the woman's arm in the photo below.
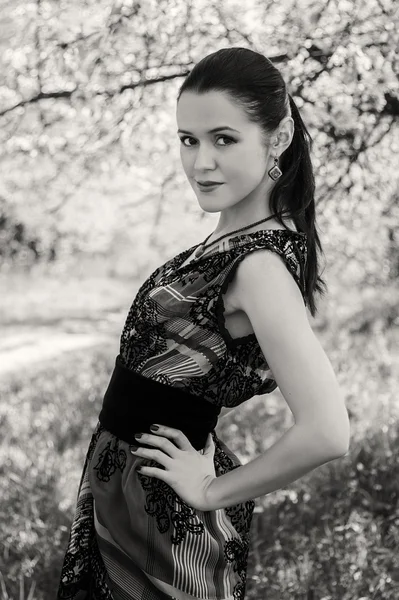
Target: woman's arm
x,y
295,454
273,302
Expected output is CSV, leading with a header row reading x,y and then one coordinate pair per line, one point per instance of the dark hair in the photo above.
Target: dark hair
x,y
259,89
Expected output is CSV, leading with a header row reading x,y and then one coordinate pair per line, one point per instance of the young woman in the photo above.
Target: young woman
x,y
214,326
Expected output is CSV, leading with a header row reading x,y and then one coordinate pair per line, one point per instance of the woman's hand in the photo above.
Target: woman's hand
x,y
187,471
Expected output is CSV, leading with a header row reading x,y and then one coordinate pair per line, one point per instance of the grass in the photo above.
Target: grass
x,y
332,535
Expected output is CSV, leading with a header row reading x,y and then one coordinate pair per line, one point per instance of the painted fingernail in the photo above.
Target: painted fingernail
x,y
133,448
154,427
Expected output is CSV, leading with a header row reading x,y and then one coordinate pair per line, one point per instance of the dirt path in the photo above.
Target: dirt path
x,y
23,348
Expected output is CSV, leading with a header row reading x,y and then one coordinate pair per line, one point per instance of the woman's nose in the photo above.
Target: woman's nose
x,y
204,160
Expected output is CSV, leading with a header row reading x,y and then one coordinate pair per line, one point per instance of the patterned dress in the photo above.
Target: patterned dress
x,y
132,537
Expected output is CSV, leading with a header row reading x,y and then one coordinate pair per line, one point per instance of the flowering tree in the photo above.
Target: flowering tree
x,y
89,149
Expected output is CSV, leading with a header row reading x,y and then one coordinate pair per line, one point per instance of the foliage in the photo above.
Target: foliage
x,y
89,149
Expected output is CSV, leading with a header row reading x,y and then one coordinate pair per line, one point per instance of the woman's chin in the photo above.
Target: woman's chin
x,y
208,208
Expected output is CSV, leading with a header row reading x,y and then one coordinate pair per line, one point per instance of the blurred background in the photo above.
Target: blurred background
x,y
93,198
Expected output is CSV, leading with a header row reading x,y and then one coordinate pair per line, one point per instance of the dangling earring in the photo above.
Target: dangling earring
x,y
275,172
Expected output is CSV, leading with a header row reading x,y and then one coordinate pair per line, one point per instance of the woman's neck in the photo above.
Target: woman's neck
x,y
270,224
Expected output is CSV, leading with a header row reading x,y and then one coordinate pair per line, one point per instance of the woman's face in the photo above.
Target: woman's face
x,y
235,158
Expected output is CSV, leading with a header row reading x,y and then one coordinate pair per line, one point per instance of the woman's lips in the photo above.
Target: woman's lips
x,y
208,187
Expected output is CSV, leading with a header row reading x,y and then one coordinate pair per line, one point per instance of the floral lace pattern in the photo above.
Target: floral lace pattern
x,y
180,309
175,333
171,513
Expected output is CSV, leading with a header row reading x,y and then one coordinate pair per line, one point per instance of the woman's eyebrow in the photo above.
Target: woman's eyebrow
x,y
211,131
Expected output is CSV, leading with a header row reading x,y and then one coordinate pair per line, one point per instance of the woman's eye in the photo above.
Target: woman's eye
x,y
187,137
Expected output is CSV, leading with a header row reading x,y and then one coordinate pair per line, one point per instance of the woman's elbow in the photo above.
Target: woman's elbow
x,y
337,436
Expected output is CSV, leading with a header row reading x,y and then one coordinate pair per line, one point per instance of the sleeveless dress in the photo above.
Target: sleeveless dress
x,y
131,539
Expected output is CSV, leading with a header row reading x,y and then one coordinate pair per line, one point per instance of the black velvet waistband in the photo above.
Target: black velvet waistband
x,y
133,402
